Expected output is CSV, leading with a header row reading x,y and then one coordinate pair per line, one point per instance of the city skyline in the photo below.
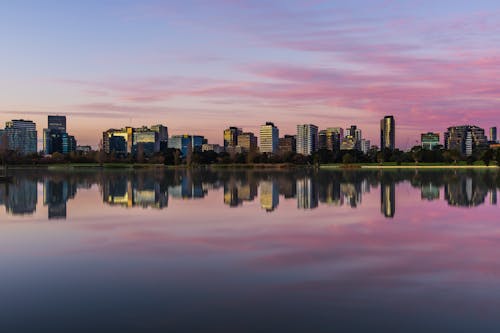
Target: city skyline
x,y
198,68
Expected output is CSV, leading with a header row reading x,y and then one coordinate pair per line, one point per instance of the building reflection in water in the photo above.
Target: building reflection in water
x,y
19,197
308,188
307,195
269,195
56,194
136,191
465,192
429,192
388,199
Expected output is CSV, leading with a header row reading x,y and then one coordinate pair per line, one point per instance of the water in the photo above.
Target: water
x,y
250,251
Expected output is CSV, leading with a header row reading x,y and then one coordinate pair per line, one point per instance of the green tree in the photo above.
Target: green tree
x,y
347,159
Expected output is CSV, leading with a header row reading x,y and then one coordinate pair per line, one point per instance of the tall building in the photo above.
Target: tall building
x,y
429,140
465,139
162,136
57,123
307,139
269,138
145,140
231,136
288,143
247,141
330,138
56,138
365,146
493,134
21,136
118,140
387,133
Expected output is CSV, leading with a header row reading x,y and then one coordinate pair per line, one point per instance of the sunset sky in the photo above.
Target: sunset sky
x,y
200,66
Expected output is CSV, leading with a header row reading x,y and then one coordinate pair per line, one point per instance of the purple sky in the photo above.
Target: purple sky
x,y
200,66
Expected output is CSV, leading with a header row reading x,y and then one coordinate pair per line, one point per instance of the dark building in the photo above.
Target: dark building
x,y
493,134
387,133
56,123
231,136
55,137
288,143
465,139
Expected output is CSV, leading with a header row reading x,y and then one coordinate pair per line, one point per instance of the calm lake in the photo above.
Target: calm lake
x,y
250,251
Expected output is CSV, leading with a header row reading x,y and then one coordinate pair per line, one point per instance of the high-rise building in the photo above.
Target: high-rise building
x,y
330,138
269,138
429,140
186,143
464,139
288,143
55,137
365,146
118,140
21,136
57,123
162,136
307,139
247,141
231,136
493,134
387,133
145,140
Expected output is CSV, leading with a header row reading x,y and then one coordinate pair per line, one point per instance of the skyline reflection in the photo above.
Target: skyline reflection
x,y
310,189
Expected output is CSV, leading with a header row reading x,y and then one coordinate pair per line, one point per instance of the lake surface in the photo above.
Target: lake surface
x,y
250,251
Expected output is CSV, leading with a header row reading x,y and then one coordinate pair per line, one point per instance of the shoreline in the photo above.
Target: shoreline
x,y
266,166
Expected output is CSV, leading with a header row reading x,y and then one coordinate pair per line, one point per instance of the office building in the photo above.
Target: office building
x,y
231,136
247,142
307,139
429,140
145,141
269,138
162,136
287,144
21,136
56,138
493,135
330,138
186,143
465,139
212,147
387,133
118,141
365,146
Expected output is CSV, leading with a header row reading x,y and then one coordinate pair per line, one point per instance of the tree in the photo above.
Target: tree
x,y
488,155
347,159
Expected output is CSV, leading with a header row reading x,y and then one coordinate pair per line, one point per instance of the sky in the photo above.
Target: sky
x,y
201,66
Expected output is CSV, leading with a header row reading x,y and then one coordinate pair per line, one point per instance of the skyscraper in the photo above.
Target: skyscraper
x,y
330,138
162,135
307,139
269,138
21,136
55,137
57,123
247,141
231,136
493,134
387,133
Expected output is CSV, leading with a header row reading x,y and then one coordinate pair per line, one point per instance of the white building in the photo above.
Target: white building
x,y
269,138
307,139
